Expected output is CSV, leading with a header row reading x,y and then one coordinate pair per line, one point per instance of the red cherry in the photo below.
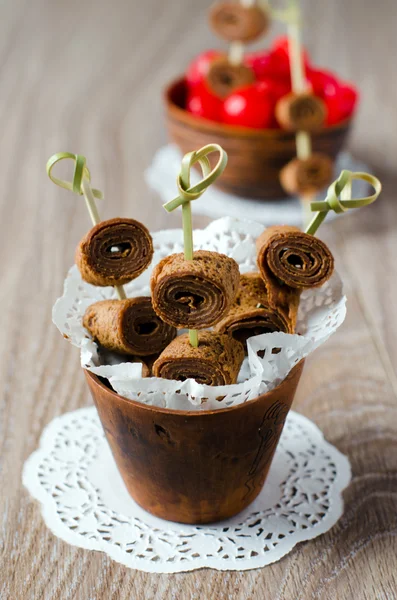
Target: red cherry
x,y
266,64
342,105
201,103
249,107
349,98
259,63
276,88
274,63
333,110
281,45
199,67
323,83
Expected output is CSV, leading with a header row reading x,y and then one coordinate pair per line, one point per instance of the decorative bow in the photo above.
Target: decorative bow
x,y
81,172
339,197
80,184
187,193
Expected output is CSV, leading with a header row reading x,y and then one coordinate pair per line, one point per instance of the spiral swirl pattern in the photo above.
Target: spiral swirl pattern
x,y
216,360
128,326
294,258
234,22
297,112
114,252
251,313
194,294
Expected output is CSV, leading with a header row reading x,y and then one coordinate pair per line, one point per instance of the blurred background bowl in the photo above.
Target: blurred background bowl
x,y
255,156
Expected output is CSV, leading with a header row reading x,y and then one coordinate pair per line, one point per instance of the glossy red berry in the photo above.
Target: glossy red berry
x,y
323,83
269,64
202,103
251,107
281,45
276,88
349,98
199,67
341,105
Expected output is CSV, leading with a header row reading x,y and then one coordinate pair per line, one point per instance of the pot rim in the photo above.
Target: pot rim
x,y
232,130
187,413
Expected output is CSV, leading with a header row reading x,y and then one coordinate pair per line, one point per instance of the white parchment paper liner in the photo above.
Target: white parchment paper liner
x,y
321,312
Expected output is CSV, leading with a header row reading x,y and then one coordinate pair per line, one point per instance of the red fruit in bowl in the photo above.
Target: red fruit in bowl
x,y
323,83
349,98
281,46
202,103
276,88
268,64
333,110
199,67
342,105
275,63
249,107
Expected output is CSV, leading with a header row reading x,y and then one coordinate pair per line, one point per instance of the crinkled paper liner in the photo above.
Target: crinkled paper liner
x,y
321,312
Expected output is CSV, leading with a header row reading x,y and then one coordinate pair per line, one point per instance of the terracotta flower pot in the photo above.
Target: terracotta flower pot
x,y
255,156
194,467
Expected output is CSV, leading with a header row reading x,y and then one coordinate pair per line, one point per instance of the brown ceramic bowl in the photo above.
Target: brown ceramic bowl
x,y
194,467
255,156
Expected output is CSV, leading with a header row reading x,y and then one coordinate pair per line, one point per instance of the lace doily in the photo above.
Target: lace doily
x,y
84,501
322,310
162,173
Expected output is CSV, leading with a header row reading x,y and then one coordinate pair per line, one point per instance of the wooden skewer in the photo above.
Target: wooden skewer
x,y
95,219
81,185
299,85
236,49
188,193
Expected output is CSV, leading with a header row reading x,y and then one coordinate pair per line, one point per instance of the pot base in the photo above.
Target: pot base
x,y
194,467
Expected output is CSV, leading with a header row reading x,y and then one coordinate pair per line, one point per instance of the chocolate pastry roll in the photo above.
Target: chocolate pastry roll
x,y
296,259
251,313
194,294
114,252
216,360
128,326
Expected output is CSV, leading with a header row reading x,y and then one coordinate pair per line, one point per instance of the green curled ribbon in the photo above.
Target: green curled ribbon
x,y
80,184
290,15
187,193
339,197
81,172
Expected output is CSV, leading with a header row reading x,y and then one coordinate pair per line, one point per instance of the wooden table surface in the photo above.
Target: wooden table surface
x,y
86,76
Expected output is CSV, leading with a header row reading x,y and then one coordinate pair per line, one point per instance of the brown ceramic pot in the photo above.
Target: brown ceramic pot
x,y
194,467
255,156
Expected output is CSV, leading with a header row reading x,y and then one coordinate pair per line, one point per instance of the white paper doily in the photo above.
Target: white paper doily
x,y
161,176
84,501
321,311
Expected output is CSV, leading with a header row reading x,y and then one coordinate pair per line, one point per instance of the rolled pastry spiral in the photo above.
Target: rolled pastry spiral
x,y
216,360
234,22
223,77
128,326
114,252
294,258
251,313
194,294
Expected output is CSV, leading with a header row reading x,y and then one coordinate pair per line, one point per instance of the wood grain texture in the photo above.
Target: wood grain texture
x,y
171,479
86,76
